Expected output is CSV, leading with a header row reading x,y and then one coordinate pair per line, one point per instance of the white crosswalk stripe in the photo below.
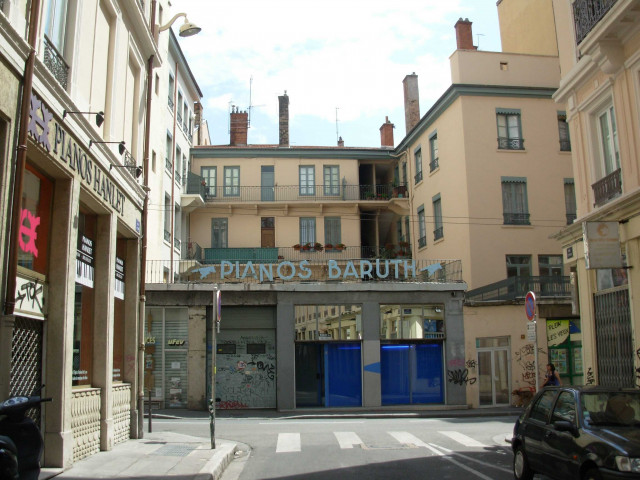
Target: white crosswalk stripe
x,y
409,439
348,439
463,439
288,442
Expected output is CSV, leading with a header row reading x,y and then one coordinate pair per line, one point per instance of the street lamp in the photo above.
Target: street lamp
x,y
186,30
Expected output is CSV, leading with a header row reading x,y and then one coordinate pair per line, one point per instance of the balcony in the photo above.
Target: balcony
x,y
433,164
54,61
177,243
587,13
438,233
516,288
294,193
516,218
422,242
505,143
607,188
167,236
418,177
167,164
565,145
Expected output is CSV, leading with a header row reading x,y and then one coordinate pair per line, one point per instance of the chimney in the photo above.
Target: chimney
x,y
386,134
411,101
283,101
464,35
239,127
340,142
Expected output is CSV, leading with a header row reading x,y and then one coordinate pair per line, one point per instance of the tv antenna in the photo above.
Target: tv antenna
x,y
478,42
337,132
251,105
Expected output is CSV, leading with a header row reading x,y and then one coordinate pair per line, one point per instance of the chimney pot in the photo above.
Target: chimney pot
x,y
239,127
386,134
464,35
340,142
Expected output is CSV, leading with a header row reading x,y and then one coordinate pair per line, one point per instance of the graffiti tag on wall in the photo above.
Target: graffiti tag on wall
x,y
525,359
460,377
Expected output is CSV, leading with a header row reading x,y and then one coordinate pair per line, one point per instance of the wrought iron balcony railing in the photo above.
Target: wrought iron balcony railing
x,y
179,119
167,164
167,236
514,288
565,145
438,233
193,251
516,218
293,193
422,242
505,143
433,164
418,177
607,188
177,243
178,178
586,15
54,61
170,103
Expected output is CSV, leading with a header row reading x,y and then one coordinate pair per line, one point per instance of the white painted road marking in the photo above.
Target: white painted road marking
x,y
288,442
463,439
348,439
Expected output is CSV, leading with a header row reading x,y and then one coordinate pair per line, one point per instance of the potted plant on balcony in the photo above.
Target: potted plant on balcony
x,y
339,246
328,246
306,246
317,247
297,247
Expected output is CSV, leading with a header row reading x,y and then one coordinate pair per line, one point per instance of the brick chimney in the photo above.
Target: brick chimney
x,y
340,142
283,101
386,134
239,127
464,35
411,101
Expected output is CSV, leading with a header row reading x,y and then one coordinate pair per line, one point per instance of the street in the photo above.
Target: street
x,y
356,448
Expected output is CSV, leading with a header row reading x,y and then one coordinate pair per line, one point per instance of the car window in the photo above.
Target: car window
x,y
565,408
542,407
611,408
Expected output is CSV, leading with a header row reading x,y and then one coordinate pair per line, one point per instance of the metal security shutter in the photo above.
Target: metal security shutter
x,y
175,356
614,339
26,360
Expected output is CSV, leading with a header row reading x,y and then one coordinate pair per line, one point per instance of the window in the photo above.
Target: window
x,y
438,231
331,180
515,206
178,160
418,158
176,227
412,321
307,180
609,141
422,240
153,161
307,230
542,408
185,110
231,181
550,265
518,266
509,129
407,232
219,233
433,148
565,408
168,161
209,177
167,217
563,132
332,231
179,108
171,92
56,22
570,200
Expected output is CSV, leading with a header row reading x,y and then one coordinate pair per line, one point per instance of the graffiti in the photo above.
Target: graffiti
x,y
590,378
230,405
460,377
268,368
31,292
471,363
524,359
455,362
29,232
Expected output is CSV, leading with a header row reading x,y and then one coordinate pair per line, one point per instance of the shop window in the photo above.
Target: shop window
x,y
343,323
84,301
35,220
119,312
412,322
256,348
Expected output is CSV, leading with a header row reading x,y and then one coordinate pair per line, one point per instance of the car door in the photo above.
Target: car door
x,y
534,428
561,447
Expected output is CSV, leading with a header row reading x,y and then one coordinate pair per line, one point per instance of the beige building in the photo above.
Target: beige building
x,y
490,179
599,47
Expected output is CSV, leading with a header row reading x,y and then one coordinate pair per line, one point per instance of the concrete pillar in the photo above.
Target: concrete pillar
x,y
131,340
58,436
197,358
371,379
454,349
102,377
285,353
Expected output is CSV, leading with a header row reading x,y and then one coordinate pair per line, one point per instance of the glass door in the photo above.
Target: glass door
x,y
494,376
267,184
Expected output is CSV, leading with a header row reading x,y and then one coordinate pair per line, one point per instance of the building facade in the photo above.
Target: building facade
x,y
600,84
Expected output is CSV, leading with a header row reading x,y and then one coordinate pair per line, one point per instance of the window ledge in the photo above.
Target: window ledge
x,y
508,150
509,225
440,240
434,171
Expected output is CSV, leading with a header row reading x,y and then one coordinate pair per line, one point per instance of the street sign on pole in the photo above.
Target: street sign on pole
x,y
531,332
530,311
530,305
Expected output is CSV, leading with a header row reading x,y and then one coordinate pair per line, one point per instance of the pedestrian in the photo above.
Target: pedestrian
x,y
551,377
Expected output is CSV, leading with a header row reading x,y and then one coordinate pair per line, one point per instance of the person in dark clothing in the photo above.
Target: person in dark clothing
x,y
551,377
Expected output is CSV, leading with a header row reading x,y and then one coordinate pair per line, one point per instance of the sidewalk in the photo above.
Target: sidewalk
x,y
183,457
157,455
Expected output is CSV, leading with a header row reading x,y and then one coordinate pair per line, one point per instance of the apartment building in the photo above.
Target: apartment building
x,y
599,47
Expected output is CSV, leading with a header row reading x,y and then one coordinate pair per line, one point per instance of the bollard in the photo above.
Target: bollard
x,y
150,411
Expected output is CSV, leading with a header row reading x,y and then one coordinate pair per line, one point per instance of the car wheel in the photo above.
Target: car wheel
x,y
592,474
521,468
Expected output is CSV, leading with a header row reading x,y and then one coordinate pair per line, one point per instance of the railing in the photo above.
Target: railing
x,y
313,270
179,118
196,185
565,145
177,243
516,218
167,236
517,287
54,61
607,188
288,193
193,251
170,103
505,143
85,422
433,164
438,233
422,242
587,13
418,177
178,178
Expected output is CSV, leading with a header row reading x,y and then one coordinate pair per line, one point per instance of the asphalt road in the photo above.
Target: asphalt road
x,y
359,448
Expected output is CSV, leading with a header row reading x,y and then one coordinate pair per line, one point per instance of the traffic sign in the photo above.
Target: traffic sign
x,y
530,305
531,332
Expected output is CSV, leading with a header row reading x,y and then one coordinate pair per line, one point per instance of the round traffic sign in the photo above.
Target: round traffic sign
x,y
530,305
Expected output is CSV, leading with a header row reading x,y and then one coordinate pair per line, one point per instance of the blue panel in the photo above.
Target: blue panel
x,y
427,382
394,371
343,375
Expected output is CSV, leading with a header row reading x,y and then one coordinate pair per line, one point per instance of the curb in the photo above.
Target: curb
x,y
218,462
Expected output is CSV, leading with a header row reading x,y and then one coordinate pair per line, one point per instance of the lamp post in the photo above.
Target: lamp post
x,y
188,29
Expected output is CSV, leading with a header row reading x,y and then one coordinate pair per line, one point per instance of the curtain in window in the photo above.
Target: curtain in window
x,y
514,197
331,180
332,234
219,233
307,230
570,199
56,21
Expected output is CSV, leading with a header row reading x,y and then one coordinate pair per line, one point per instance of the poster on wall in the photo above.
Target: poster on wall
x,y
119,283
85,262
601,245
557,332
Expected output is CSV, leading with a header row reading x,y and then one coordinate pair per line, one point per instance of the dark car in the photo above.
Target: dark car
x,y
585,433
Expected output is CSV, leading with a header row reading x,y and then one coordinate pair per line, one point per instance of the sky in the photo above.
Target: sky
x,y
341,62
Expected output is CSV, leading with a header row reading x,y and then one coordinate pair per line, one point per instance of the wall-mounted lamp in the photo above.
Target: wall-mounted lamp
x,y
121,147
186,30
134,169
99,116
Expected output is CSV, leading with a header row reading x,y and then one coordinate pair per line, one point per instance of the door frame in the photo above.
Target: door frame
x,y
493,350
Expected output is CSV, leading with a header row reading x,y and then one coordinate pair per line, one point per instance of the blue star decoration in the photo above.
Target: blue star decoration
x,y
204,272
431,269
